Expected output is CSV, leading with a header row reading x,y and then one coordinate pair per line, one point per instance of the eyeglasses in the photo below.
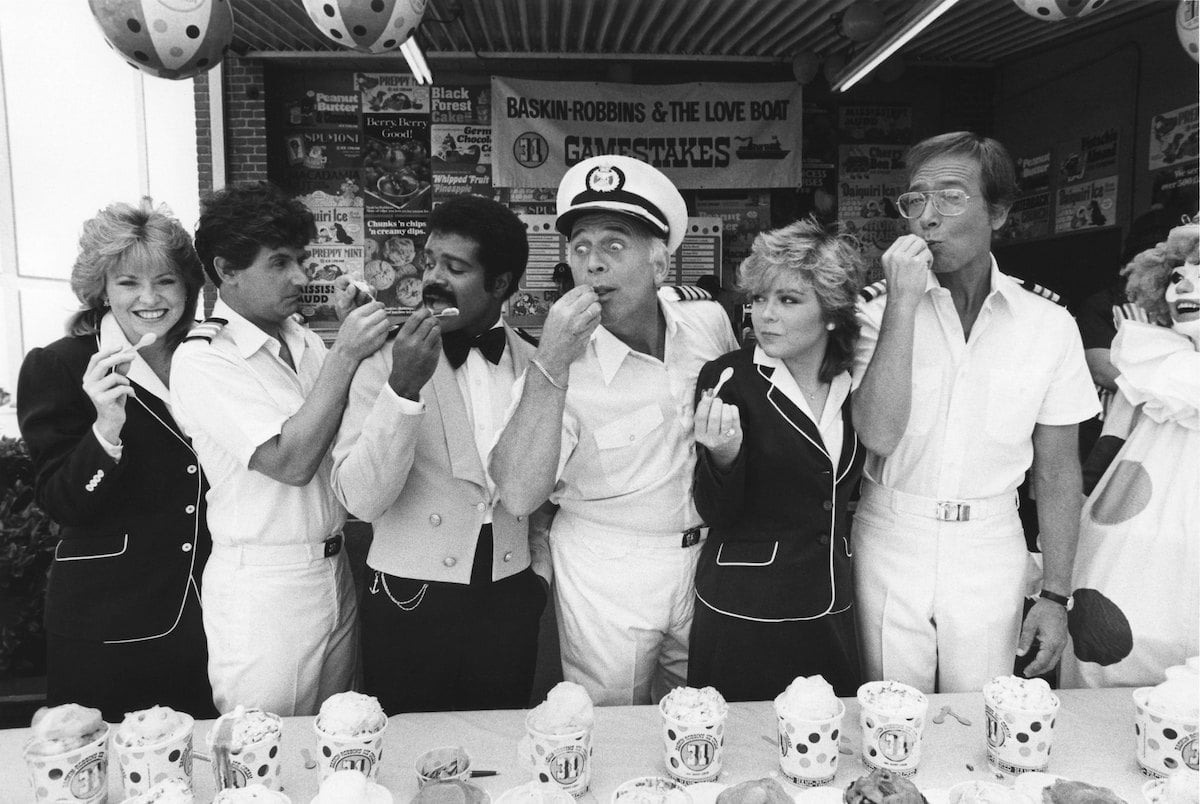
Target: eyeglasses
x,y
945,202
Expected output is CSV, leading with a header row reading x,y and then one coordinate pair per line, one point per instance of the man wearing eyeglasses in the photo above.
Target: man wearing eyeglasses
x,y
963,381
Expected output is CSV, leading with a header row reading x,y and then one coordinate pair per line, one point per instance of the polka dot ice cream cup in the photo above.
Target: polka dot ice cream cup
x,y
337,752
808,749
1018,740
80,775
143,766
259,762
563,758
1164,742
891,737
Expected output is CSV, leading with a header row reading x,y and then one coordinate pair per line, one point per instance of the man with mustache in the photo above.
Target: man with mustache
x,y
604,427
450,618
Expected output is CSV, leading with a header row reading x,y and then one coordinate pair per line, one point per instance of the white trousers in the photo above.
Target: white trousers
x,y
624,604
939,603
283,637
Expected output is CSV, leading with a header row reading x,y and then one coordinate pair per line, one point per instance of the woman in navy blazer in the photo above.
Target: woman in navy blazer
x,y
113,469
777,462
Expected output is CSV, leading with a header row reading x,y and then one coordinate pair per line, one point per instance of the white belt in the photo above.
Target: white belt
x,y
268,555
942,510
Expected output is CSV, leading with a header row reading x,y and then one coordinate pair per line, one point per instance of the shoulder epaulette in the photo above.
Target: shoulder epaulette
x,y
525,336
873,291
1038,290
684,293
206,330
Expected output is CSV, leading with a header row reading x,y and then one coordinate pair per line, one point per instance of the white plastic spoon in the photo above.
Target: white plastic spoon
x,y
725,377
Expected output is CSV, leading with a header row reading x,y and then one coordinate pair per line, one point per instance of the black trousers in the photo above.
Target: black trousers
x,y
755,661
171,671
431,647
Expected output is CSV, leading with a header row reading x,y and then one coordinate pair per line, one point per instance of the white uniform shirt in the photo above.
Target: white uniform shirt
x,y
975,401
830,422
627,452
233,395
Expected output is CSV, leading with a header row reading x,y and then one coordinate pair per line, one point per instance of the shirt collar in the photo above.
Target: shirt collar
x,y
998,284
112,336
611,350
248,338
781,378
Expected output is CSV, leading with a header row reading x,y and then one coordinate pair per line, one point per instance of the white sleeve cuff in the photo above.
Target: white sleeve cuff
x,y
114,450
405,406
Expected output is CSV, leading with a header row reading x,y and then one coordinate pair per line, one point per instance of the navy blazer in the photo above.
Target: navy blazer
x,y
134,539
778,547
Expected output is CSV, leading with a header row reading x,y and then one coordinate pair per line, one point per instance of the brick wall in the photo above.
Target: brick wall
x,y
245,130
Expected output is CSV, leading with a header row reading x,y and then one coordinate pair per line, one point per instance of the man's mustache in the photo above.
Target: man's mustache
x,y
433,293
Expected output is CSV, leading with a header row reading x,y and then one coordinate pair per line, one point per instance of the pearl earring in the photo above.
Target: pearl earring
x,y
829,325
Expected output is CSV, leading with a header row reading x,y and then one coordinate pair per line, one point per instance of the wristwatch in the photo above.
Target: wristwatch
x,y
1065,601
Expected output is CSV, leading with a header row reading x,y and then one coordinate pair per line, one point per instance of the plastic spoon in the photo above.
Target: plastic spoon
x,y
725,377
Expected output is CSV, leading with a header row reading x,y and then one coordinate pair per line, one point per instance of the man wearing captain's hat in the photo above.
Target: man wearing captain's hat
x,y
617,366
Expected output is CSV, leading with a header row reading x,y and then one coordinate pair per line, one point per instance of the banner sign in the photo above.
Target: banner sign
x,y
703,136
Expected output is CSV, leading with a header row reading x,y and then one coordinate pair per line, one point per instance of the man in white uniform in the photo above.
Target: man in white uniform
x,y
261,399
964,379
617,367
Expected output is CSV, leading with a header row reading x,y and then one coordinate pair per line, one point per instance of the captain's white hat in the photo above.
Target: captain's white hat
x,y
626,186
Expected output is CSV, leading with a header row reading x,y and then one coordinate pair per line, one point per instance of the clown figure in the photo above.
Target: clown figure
x,y
1136,597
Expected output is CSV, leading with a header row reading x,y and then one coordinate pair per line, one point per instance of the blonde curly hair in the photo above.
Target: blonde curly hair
x,y
1146,274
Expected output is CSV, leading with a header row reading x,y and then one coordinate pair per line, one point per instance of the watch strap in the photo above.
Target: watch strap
x,y
1055,597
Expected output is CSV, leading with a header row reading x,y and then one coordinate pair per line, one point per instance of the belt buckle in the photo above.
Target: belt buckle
x,y
333,545
953,512
691,537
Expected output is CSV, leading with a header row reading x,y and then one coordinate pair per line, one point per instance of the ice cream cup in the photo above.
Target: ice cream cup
x,y
450,763
78,775
535,793
1018,739
692,751
808,749
1165,742
563,758
651,790
259,762
337,752
143,766
890,740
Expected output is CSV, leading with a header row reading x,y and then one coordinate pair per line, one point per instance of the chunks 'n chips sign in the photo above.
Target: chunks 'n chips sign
x,y
701,135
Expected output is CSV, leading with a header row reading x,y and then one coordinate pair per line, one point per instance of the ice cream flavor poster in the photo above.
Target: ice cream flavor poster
x,y
393,260
321,160
1033,172
462,160
870,179
391,92
1028,217
396,171
1089,157
1084,205
458,103
876,123
336,250
1174,136
315,99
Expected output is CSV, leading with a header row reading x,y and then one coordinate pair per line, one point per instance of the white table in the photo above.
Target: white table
x,y
1094,742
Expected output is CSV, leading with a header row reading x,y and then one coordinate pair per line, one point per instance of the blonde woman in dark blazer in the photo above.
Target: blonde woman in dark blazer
x,y
777,462
113,469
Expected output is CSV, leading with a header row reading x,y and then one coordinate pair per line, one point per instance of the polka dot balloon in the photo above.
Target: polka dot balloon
x,y
1056,10
1187,23
167,38
369,26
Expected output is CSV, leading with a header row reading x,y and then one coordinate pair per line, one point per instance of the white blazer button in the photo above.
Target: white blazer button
x,y
508,556
481,507
191,469
435,520
191,509
449,561
520,517
99,473
187,548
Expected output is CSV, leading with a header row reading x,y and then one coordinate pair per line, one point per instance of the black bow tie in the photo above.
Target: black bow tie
x,y
457,344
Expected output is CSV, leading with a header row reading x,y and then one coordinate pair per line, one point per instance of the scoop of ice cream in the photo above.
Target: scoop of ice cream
x,y
977,792
882,787
808,698
350,714
251,794
449,793
1067,792
1179,695
567,708
693,706
1014,692
150,726
241,727
1182,787
892,698
168,791
351,787
536,792
755,791
64,728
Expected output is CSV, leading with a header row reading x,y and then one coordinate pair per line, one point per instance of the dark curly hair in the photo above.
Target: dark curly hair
x,y
237,221
499,233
